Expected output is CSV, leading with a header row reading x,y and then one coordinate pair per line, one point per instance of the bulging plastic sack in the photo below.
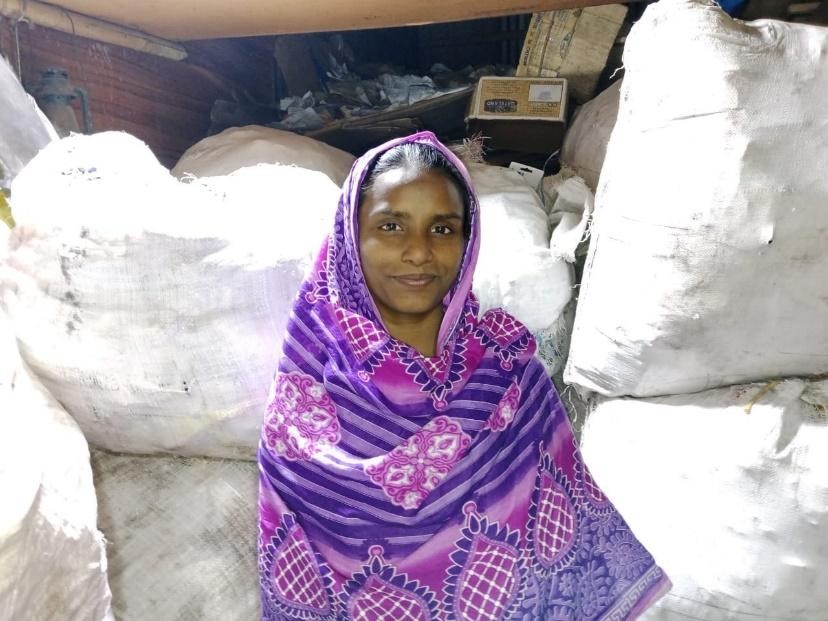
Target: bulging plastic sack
x,y
52,556
152,309
239,147
585,143
707,257
516,269
728,489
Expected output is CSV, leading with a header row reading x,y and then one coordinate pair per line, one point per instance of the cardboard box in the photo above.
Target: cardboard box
x,y
519,114
573,44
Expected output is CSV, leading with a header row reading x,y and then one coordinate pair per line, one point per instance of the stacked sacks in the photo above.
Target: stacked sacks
x,y
52,556
153,310
707,268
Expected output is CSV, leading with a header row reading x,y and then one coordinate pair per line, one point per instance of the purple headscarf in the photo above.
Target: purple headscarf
x,y
400,487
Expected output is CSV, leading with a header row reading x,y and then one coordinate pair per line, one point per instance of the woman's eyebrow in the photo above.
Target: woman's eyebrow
x,y
392,213
404,215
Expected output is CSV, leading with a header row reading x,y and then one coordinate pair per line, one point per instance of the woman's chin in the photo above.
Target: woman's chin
x,y
405,306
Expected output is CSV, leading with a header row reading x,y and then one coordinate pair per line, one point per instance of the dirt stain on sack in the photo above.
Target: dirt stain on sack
x,y
71,258
72,325
64,269
70,297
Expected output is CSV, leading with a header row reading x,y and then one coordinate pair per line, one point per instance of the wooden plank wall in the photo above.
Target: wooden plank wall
x,y
455,44
163,102
476,42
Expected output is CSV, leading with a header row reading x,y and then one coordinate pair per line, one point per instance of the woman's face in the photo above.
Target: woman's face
x,y
411,242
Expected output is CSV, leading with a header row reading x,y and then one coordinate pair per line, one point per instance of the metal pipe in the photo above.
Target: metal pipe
x,y
56,18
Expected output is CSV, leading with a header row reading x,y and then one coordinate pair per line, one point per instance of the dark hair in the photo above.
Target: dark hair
x,y
419,156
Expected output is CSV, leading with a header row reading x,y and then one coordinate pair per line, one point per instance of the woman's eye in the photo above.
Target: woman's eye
x,y
390,226
442,229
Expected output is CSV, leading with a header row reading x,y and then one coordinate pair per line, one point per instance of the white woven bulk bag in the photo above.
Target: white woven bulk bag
x,y
585,143
238,147
572,213
708,259
52,556
516,270
734,505
181,536
153,310
24,129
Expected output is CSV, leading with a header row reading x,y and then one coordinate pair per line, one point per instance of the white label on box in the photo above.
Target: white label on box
x,y
545,92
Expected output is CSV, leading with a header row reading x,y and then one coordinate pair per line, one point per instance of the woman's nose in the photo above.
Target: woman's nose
x,y
417,249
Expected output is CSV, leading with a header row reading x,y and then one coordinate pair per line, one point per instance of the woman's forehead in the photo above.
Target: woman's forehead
x,y
401,185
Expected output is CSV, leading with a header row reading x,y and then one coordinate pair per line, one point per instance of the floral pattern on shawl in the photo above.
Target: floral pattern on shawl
x,y
301,419
414,469
505,411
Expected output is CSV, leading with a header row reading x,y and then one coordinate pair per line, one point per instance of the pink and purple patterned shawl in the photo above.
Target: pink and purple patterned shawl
x,y
398,487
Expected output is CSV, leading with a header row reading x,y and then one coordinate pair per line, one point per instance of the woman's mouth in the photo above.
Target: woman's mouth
x,y
416,281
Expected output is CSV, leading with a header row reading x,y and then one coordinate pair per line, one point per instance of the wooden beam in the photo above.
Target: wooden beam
x,y
206,19
42,14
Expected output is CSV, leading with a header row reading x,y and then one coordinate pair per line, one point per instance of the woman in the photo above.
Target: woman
x,y
416,461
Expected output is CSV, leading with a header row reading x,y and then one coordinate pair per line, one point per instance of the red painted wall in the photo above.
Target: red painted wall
x,y
163,102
